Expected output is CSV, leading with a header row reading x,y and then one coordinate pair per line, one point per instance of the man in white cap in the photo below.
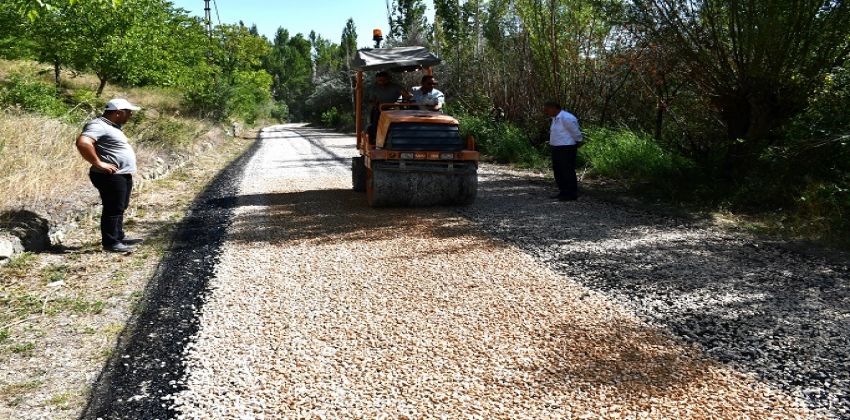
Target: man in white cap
x,y
113,162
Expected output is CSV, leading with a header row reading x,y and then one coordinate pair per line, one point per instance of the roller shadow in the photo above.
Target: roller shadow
x,y
333,216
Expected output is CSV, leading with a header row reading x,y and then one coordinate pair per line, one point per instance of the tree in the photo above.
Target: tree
x,y
348,41
758,61
348,47
407,20
290,65
138,41
12,25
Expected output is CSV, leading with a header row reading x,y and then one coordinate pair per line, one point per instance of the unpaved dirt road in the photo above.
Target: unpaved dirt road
x,y
308,304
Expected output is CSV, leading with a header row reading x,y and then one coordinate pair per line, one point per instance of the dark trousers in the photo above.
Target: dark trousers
x,y
115,194
564,166
374,117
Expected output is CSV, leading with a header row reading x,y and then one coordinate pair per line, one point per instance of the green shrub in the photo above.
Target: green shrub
x,y
280,111
823,211
331,118
86,100
32,95
624,154
503,141
249,95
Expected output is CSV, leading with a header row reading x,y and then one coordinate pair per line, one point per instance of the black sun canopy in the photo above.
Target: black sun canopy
x,y
397,59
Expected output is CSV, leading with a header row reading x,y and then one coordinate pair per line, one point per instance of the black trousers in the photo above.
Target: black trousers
x,y
564,166
374,117
115,194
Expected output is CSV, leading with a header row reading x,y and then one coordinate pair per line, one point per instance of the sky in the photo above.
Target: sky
x,y
326,17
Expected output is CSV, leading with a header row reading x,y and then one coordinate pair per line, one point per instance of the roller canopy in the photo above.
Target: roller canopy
x,y
403,58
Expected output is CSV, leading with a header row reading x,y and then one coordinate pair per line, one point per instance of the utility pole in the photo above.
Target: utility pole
x,y
208,17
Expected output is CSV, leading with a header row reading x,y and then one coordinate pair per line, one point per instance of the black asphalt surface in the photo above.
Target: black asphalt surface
x,y
146,366
754,304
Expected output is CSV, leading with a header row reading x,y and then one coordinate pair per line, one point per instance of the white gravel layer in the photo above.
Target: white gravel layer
x,y
325,308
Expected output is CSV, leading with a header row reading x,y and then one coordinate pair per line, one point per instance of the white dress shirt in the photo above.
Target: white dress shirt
x,y
565,130
428,100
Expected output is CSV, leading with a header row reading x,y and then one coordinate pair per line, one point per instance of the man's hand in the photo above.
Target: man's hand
x,y
106,167
85,145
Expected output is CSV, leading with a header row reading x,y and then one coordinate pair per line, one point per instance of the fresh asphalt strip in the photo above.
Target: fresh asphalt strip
x,y
146,366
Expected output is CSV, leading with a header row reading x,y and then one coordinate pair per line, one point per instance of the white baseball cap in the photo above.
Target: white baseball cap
x,y
119,104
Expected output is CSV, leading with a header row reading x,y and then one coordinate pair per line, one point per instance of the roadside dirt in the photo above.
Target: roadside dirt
x,y
62,311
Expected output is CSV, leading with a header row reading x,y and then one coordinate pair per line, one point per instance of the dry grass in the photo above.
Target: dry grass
x,y
60,313
161,99
40,168
9,67
38,160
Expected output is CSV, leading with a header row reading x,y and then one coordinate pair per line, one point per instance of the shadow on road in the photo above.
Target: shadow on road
x,y
757,306
331,216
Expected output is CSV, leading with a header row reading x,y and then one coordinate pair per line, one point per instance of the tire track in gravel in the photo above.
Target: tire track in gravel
x,y
756,306
147,364
323,307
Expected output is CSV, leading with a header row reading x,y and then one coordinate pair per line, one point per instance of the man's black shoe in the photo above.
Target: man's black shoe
x,y
119,248
556,196
132,242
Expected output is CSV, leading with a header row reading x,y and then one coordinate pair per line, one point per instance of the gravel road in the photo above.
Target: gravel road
x,y
515,307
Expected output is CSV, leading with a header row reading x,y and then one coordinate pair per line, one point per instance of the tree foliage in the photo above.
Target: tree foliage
x,y
407,21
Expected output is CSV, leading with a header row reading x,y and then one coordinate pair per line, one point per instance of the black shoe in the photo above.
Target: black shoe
x,y
556,196
567,198
119,248
132,242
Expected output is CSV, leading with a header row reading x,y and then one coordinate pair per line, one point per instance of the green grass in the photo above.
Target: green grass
x,y
19,305
504,142
20,388
60,399
630,156
26,92
22,348
54,273
21,262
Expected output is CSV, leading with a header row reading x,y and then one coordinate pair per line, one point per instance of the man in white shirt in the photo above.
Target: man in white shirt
x,y
564,138
427,97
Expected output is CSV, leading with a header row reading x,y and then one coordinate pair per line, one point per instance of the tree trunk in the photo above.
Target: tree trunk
x,y
659,120
102,85
57,72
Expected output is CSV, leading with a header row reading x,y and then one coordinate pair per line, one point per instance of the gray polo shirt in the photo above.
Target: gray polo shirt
x,y
111,145
384,94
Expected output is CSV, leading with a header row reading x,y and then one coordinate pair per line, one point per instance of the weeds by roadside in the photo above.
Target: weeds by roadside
x,y
74,304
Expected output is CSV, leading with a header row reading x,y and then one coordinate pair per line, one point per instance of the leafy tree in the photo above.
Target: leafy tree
x,y
12,25
327,57
290,65
758,61
348,48
240,49
407,20
138,41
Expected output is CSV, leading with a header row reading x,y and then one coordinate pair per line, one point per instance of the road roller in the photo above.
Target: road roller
x,y
415,157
